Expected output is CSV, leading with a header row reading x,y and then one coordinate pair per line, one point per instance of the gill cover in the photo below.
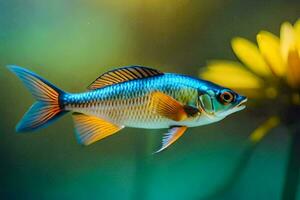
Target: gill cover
x,y
207,103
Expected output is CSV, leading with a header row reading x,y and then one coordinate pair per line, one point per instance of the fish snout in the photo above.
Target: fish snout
x,y
241,100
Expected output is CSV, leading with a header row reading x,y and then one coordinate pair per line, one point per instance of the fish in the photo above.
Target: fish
x,y
132,96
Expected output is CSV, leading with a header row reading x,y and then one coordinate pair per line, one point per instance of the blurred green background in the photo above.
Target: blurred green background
x,y
71,42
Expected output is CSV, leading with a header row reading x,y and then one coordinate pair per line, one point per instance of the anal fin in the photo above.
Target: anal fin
x,y
90,129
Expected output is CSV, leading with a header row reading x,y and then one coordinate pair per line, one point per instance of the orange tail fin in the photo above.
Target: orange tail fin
x,y
48,106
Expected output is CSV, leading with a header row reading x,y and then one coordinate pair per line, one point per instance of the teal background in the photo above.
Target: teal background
x,y
70,43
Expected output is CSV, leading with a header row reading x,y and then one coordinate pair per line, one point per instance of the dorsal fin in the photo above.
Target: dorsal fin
x,y
122,75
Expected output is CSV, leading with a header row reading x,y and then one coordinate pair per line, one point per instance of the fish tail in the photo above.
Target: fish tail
x,y
48,106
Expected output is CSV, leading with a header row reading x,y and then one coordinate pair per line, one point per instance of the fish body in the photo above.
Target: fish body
x,y
135,96
129,103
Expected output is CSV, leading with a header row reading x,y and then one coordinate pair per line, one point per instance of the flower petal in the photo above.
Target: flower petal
x,y
270,49
293,71
290,53
287,40
261,131
249,54
231,74
297,30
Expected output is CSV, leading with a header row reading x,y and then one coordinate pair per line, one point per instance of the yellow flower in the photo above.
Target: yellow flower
x,y
268,70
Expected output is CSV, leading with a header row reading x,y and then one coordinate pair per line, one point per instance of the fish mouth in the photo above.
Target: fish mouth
x,y
241,105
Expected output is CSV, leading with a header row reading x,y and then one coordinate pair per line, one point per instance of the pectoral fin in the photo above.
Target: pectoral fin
x,y
171,136
90,129
167,106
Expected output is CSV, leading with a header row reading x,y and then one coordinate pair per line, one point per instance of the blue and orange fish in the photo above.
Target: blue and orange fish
x,y
133,96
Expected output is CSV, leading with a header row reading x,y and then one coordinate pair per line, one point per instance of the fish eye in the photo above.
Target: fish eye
x,y
226,97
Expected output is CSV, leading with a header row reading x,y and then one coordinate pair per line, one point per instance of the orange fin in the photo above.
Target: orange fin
x,y
90,129
48,106
171,136
122,75
168,106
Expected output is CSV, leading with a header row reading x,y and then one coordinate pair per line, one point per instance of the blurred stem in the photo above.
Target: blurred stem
x,y
254,139
292,174
141,175
143,159
236,173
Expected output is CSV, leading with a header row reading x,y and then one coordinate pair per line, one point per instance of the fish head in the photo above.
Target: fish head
x,y
220,102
